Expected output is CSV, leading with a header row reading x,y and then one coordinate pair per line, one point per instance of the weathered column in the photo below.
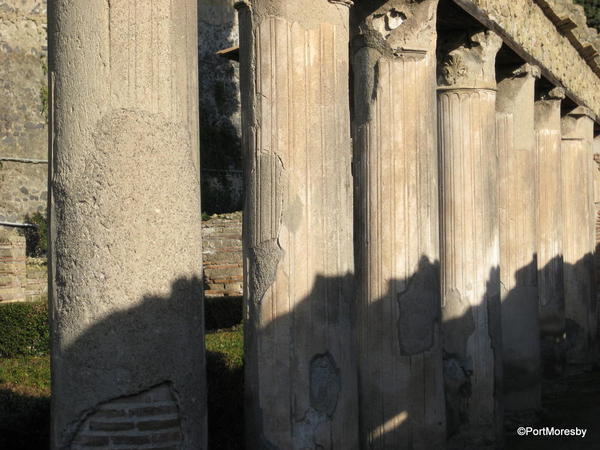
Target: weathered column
x,y
126,296
518,241
579,237
300,366
469,234
396,241
596,184
549,234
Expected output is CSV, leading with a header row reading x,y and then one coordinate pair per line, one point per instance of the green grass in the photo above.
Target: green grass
x,y
25,395
229,343
32,373
225,379
24,402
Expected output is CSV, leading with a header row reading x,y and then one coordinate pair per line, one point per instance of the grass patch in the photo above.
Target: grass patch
x,y
31,373
225,380
25,395
24,330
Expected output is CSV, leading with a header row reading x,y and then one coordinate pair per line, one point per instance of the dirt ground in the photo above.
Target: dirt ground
x,y
570,402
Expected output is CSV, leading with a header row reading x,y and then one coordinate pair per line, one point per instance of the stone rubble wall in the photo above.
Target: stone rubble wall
x,y
220,126
222,255
23,94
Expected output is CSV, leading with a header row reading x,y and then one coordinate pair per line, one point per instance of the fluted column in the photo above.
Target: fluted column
x,y
518,241
549,235
300,366
126,256
396,234
469,234
579,237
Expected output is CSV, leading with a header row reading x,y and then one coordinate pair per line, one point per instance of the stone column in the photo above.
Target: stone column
x,y
126,295
549,234
469,234
396,235
517,158
300,364
579,237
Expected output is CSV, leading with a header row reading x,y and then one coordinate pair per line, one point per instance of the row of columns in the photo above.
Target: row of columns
x,y
459,180
477,203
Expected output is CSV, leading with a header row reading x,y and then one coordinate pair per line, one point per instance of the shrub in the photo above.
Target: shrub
x,y
37,238
24,330
592,11
222,312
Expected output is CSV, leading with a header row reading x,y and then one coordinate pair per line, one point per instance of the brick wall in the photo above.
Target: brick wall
x,y
21,278
148,420
26,279
13,269
222,254
36,280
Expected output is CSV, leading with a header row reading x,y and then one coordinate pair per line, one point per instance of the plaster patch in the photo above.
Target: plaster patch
x,y
265,260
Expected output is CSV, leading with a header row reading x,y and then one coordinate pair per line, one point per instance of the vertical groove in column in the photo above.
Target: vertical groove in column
x,y
397,225
300,370
580,300
470,255
518,238
397,253
549,236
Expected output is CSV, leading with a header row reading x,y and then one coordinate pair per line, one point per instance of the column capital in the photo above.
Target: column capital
x,y
527,69
578,124
468,61
399,26
582,111
554,93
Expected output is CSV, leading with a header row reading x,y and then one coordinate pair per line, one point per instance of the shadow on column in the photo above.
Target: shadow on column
x,y
118,349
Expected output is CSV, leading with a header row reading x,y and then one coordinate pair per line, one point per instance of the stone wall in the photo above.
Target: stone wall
x,y
13,270
222,255
23,110
21,278
36,280
23,90
220,132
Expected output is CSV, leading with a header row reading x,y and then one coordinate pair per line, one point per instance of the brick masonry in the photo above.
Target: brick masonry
x,y
148,420
21,278
13,268
26,279
222,254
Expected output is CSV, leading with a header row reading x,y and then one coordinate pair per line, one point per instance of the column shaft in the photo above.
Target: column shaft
x,y
396,240
300,366
518,240
470,247
549,234
126,293
579,237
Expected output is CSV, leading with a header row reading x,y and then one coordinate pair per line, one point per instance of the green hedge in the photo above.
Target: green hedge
x,y
592,11
24,327
24,330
